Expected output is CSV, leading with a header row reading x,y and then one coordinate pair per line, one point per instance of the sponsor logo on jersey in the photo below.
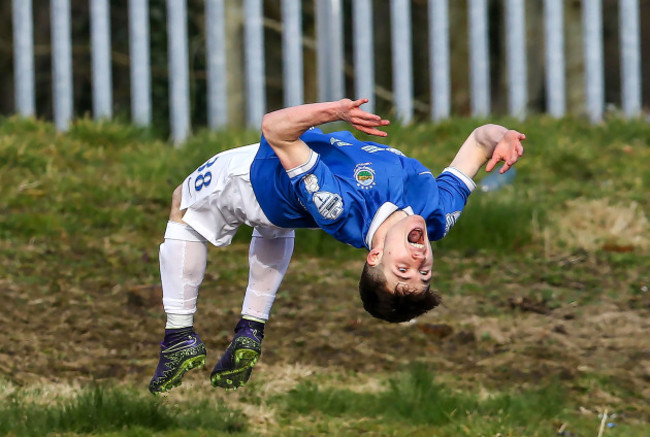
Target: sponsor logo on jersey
x,y
374,149
364,175
311,183
329,205
338,143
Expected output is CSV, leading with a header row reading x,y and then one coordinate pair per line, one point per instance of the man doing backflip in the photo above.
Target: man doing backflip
x,y
364,194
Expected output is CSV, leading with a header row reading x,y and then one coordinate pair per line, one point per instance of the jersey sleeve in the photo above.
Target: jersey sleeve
x,y
319,191
454,189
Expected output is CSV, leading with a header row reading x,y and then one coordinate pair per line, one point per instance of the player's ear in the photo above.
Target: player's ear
x,y
374,257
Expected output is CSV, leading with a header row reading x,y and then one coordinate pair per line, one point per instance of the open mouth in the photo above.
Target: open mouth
x,y
416,238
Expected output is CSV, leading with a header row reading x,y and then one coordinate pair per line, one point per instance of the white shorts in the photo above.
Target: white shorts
x,y
219,198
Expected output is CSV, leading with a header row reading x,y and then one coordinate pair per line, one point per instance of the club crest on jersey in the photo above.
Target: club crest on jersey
x,y
365,176
311,183
329,205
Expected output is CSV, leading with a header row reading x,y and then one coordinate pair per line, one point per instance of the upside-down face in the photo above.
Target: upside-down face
x,y
407,257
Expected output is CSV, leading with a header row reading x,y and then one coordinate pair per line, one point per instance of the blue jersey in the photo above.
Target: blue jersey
x,y
348,187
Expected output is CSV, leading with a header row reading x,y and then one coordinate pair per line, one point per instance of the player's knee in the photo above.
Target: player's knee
x,y
175,213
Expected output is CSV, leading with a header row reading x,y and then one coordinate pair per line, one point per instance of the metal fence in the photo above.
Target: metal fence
x,y
330,40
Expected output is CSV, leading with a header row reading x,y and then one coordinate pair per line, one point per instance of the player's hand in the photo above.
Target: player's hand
x,y
509,149
366,122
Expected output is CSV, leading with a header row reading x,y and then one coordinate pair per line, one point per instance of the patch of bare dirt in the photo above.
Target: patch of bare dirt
x,y
505,333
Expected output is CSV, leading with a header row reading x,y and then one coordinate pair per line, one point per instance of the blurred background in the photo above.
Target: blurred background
x,y
580,21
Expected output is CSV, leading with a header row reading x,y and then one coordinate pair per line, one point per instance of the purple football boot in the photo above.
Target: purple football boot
x,y
236,364
181,350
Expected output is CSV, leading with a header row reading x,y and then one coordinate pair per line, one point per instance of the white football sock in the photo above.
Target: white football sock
x,y
268,259
183,258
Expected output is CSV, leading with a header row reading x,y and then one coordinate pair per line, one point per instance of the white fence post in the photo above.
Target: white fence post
x,y
364,59
322,49
292,53
215,25
23,28
479,58
439,59
336,62
329,36
554,57
179,103
402,59
516,58
61,63
330,58
100,32
630,57
140,63
593,49
255,83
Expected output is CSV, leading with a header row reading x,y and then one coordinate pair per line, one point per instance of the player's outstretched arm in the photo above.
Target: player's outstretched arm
x,y
283,128
489,144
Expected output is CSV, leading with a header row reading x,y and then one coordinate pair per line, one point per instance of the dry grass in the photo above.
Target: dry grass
x,y
596,224
39,393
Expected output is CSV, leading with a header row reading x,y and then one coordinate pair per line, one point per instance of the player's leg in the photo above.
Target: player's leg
x,y
268,259
183,257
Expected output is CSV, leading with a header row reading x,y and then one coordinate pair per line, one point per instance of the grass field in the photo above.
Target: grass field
x,y
542,331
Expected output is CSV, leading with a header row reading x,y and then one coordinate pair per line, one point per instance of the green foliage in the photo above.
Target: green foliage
x,y
499,221
104,177
422,400
416,399
100,410
82,214
98,196
111,177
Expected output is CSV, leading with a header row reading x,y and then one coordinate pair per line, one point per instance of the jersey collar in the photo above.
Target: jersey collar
x,y
380,217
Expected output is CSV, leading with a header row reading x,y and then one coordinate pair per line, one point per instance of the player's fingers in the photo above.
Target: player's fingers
x,y
370,122
381,121
519,149
490,165
366,117
360,114
505,167
370,130
375,132
516,134
359,102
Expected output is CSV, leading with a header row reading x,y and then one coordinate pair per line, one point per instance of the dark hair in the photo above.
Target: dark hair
x,y
394,306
